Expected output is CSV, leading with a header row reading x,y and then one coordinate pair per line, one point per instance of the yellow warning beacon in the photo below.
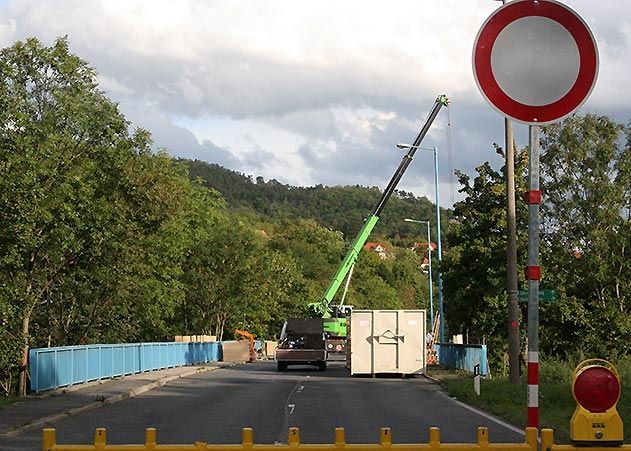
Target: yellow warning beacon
x,y
596,389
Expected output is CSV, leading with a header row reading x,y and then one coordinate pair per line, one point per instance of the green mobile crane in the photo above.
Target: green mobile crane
x,y
334,316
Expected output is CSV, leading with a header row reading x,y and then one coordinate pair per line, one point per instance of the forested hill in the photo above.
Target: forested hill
x,y
340,208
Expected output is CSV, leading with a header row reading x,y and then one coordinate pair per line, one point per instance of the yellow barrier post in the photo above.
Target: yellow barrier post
x,y
385,437
340,438
48,439
151,438
294,443
434,437
247,438
483,437
100,438
293,438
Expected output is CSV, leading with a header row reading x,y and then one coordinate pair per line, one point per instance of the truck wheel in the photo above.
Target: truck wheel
x,y
282,366
321,366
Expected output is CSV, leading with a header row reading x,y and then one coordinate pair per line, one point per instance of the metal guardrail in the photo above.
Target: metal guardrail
x,y
463,356
293,443
63,366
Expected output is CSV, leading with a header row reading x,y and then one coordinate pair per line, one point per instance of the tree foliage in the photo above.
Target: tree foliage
x,y
474,265
586,169
340,208
585,239
104,240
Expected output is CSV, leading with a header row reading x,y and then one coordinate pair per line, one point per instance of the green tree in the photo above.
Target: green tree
x,y
369,287
317,250
474,264
274,292
95,227
224,259
409,280
586,169
56,130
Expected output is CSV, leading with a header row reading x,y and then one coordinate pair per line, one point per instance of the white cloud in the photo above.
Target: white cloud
x,y
304,92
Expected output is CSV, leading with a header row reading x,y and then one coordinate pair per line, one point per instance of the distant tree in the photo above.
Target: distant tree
x,y
409,279
341,208
274,292
215,274
317,250
368,288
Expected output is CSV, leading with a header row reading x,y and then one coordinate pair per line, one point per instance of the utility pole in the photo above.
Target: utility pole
x,y
511,257
511,253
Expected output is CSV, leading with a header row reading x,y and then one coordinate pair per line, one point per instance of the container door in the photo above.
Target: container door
x,y
386,340
412,343
361,342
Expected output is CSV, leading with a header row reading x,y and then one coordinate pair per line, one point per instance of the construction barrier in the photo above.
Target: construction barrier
x,y
463,357
293,443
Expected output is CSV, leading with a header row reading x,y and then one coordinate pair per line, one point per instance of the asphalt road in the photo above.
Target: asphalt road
x,y
215,406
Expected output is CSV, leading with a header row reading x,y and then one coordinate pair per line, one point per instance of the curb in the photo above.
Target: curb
x,y
46,421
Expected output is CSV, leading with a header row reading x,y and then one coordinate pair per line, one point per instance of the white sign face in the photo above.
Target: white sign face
x,y
552,61
535,61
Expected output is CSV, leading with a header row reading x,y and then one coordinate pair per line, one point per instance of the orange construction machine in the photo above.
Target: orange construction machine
x,y
250,337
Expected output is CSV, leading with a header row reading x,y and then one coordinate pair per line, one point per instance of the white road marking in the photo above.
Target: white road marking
x,y
291,408
479,412
489,417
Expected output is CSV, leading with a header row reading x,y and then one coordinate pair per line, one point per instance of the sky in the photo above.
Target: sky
x,y
309,92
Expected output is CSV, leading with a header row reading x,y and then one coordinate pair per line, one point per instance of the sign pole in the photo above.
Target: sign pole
x,y
535,61
533,275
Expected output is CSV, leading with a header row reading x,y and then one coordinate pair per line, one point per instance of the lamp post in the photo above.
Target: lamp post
x,y
429,258
441,314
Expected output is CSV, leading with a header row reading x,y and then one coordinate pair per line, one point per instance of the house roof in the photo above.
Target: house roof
x,y
423,245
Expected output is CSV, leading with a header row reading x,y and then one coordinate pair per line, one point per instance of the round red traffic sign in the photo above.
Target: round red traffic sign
x,y
535,61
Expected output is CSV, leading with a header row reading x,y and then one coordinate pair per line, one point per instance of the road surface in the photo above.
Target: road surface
x,y
215,406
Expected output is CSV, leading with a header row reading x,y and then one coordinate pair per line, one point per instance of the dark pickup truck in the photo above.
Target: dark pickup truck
x,y
301,343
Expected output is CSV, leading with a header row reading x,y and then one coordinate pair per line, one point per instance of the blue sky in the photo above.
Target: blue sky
x,y
307,92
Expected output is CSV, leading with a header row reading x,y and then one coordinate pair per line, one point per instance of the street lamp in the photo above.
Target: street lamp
x,y
429,258
441,314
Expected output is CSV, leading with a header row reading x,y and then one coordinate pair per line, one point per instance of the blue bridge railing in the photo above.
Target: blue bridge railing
x,y
463,356
59,367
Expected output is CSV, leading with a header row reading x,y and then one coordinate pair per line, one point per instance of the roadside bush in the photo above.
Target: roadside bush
x,y
9,362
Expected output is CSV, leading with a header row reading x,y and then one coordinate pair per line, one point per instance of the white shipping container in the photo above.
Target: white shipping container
x,y
387,341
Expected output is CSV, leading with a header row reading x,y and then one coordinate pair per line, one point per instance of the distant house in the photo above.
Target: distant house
x,y
421,247
379,248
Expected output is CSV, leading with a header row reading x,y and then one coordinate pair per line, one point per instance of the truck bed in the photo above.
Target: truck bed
x,y
286,357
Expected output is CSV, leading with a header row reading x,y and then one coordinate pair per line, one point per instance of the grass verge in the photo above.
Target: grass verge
x,y
507,401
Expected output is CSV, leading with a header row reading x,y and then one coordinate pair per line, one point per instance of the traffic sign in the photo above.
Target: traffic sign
x,y
544,296
535,61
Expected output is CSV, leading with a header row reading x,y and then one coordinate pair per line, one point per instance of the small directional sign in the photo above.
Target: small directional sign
x,y
544,296
476,375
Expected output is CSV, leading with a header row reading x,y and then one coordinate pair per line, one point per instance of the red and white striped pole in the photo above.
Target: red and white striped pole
x,y
533,275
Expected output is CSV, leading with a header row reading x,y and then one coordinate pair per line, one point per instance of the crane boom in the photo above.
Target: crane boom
x,y
323,307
